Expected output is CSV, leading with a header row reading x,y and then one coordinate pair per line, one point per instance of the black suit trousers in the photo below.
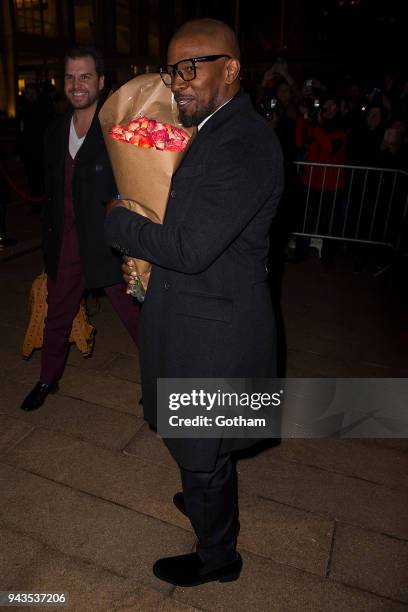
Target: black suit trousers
x,y
211,505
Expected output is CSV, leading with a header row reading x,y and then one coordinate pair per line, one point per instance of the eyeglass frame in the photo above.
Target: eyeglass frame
x,y
163,70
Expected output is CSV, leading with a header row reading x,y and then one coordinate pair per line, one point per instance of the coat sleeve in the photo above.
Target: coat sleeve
x,y
236,188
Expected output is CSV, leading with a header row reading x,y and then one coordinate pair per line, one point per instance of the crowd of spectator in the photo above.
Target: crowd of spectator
x,y
373,123
348,126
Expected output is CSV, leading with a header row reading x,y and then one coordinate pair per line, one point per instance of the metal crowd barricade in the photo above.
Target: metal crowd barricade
x,y
349,203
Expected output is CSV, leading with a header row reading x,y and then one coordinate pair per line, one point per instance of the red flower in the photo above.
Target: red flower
x,y
151,134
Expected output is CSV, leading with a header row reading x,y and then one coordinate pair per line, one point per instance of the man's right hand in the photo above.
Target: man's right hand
x,y
129,270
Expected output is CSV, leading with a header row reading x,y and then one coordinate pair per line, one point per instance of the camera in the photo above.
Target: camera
x,y
268,108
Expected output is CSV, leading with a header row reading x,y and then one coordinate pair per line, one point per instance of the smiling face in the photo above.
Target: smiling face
x,y
215,83
82,84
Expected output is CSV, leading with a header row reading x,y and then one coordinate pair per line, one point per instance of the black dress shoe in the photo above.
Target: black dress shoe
x,y
178,501
37,396
189,570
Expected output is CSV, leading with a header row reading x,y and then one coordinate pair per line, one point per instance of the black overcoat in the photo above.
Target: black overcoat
x,y
93,186
208,311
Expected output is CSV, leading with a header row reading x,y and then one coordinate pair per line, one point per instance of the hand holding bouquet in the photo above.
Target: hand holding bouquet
x,y
145,146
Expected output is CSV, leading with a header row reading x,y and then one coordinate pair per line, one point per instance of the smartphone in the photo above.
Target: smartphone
x,y
309,83
273,103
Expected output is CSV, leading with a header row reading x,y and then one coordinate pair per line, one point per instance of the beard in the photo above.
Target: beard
x,y
190,119
87,102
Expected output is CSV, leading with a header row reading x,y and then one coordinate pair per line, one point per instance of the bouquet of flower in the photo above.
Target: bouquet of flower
x,y
145,144
151,134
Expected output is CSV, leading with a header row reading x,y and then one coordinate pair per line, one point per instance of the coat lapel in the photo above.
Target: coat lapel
x,y
60,152
239,101
90,145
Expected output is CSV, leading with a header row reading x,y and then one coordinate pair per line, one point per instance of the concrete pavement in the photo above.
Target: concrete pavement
x,y
86,487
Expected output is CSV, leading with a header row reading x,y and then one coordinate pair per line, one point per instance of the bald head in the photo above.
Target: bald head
x,y
217,33
203,61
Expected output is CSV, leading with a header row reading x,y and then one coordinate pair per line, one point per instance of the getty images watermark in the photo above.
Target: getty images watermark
x,y
223,404
271,408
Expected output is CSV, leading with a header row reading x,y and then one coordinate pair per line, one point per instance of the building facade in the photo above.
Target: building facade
x,y
132,35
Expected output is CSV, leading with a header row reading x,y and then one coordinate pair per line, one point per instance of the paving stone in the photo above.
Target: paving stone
x,y
147,600
11,432
304,363
80,525
377,464
100,547
28,370
34,567
339,497
102,389
399,444
308,364
98,361
371,561
84,380
11,336
266,585
125,367
18,552
21,270
322,338
103,426
16,368
124,479
147,445
287,535
371,335
14,308
111,331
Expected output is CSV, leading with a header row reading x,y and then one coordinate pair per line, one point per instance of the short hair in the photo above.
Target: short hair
x,y
212,28
76,52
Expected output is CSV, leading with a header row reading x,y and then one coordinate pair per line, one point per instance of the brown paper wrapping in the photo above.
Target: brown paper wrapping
x,y
143,176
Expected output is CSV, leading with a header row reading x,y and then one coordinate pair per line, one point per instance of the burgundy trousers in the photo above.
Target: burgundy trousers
x,y
64,298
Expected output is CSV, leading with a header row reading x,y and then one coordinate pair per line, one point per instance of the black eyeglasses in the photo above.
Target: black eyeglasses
x,y
185,69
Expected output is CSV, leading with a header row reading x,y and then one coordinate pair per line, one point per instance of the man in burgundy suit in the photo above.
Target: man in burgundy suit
x,y
79,183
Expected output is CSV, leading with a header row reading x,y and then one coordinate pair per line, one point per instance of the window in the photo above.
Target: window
x,y
84,22
49,17
36,16
122,26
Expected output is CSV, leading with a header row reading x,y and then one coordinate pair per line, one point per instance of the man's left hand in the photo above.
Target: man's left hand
x,y
114,203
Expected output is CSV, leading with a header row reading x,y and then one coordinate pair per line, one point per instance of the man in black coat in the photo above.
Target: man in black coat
x,y
79,183
208,311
